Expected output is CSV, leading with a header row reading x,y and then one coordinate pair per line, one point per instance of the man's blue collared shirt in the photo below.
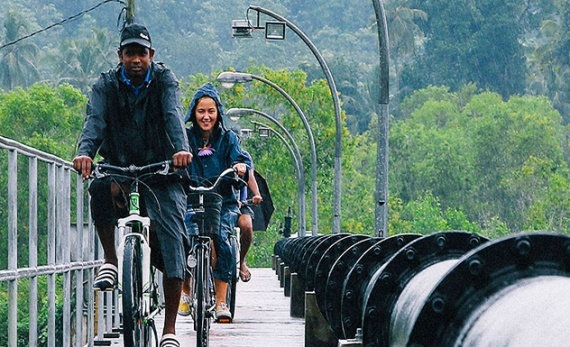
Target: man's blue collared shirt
x,y
136,89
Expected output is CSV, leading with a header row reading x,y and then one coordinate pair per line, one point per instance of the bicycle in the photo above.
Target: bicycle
x,y
205,212
137,285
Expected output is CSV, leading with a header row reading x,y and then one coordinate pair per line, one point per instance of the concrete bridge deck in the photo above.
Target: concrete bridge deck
x,y
262,318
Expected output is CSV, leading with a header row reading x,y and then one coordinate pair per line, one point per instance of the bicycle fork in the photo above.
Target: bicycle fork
x,y
125,226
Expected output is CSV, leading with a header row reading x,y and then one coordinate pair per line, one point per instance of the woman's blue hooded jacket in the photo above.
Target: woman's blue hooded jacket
x,y
225,146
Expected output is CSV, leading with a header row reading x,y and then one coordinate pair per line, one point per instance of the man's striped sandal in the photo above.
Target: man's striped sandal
x,y
169,340
106,277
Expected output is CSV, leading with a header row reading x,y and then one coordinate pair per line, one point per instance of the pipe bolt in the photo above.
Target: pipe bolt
x,y
523,247
475,267
438,304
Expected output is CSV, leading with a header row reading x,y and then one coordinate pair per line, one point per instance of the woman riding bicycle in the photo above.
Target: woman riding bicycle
x,y
215,149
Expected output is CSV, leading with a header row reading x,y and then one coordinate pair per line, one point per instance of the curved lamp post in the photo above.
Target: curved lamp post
x,y
295,153
381,210
228,79
337,110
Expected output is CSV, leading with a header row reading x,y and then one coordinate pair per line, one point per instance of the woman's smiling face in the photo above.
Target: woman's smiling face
x,y
206,113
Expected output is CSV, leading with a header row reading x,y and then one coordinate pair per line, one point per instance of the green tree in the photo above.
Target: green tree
x,y
428,151
80,61
405,36
45,118
470,41
17,60
549,58
491,159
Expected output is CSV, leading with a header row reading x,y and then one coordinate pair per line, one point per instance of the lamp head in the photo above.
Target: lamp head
x,y
241,28
245,133
275,30
228,78
235,113
263,132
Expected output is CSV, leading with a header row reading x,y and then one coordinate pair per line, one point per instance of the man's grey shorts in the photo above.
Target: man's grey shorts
x,y
165,205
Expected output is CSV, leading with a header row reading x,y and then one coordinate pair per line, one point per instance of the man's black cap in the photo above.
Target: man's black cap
x,y
135,33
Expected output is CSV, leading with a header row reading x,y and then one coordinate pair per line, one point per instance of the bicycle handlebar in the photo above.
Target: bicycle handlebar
x,y
248,202
99,170
204,189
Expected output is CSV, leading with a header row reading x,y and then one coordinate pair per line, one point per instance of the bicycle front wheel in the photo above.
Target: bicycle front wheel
x,y
203,297
132,292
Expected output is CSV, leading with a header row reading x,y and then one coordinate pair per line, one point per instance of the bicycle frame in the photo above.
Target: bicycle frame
x,y
140,293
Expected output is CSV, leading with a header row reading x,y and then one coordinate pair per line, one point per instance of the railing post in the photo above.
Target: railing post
x,y
79,258
64,224
33,250
51,252
13,246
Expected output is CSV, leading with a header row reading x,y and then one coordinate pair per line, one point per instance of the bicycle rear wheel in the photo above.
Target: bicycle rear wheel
x,y
132,292
232,285
203,297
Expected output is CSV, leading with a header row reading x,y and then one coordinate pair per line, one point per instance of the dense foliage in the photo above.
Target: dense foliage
x,y
508,47
458,160
480,102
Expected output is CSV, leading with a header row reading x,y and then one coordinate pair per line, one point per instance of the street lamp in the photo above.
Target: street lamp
x,y
235,113
228,79
381,198
336,102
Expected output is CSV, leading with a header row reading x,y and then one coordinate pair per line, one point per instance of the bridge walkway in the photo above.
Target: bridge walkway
x,y
262,318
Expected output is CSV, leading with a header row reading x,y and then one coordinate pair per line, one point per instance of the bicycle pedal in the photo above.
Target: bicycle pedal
x,y
224,320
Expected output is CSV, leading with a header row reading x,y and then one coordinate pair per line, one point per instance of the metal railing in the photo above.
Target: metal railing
x,y
62,251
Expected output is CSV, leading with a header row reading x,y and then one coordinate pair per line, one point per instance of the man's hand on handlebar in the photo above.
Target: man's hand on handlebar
x,y
181,159
82,164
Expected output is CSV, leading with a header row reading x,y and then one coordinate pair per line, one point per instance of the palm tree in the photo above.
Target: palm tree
x,y
405,36
79,62
551,67
17,60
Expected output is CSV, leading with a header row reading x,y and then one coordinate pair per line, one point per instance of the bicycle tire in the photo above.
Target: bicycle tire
x,y
133,329
232,285
202,297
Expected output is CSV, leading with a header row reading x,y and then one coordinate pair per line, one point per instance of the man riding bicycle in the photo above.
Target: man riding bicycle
x,y
134,117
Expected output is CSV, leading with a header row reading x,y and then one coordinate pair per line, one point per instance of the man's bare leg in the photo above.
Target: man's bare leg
x,y
245,224
172,290
107,238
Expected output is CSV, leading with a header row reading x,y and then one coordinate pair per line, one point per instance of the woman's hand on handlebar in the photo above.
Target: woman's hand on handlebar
x,y
240,168
181,159
83,164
